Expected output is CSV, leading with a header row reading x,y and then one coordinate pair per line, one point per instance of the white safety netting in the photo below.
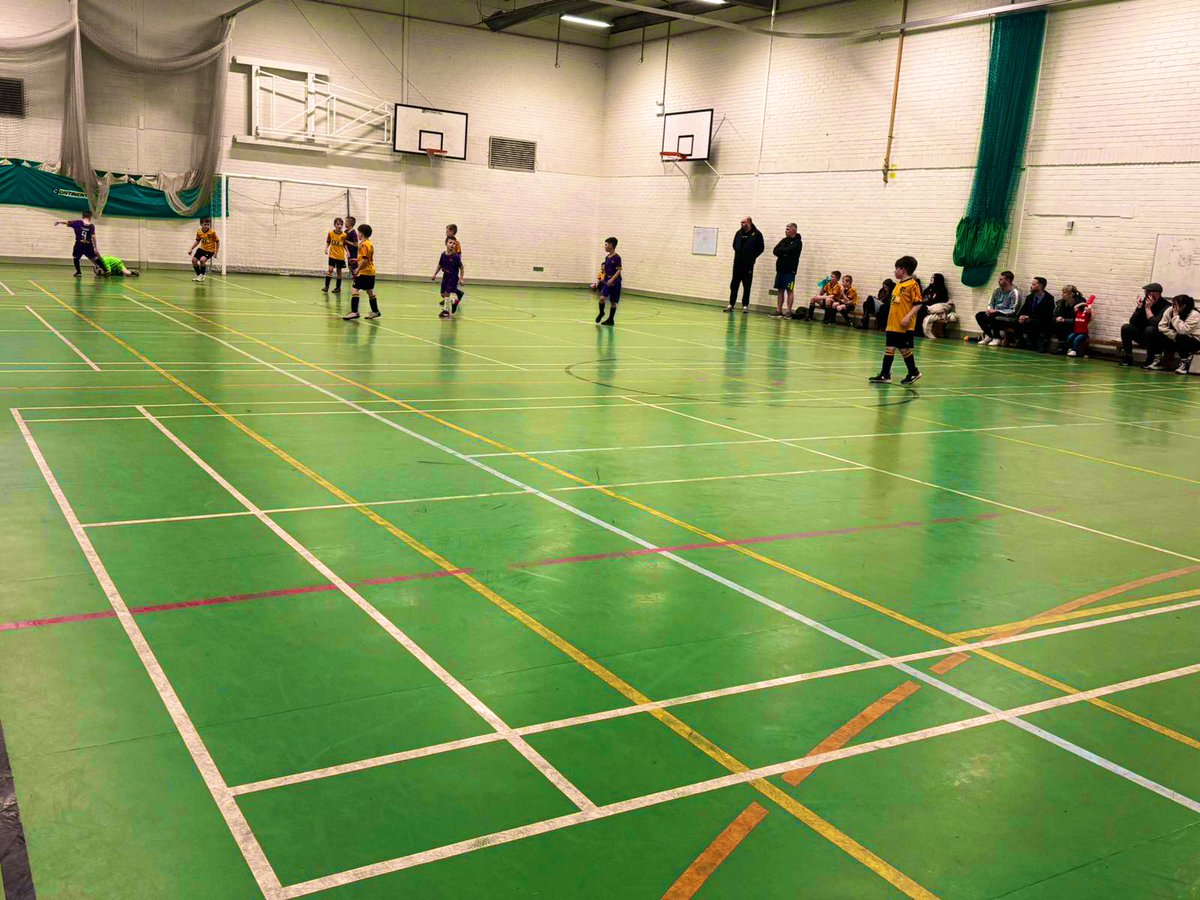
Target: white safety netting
x,y
97,78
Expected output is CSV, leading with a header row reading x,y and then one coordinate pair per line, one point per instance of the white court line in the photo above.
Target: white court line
x,y
61,337
237,284
702,696
546,826
264,875
574,487
460,690
11,292
750,594
930,484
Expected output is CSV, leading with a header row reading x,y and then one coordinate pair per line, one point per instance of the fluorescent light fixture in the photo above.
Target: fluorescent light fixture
x,y
713,2
589,23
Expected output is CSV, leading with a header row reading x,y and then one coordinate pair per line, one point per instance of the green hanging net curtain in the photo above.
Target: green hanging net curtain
x,y
1012,82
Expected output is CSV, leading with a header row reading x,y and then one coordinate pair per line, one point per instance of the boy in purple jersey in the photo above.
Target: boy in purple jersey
x,y
352,243
85,239
609,282
453,274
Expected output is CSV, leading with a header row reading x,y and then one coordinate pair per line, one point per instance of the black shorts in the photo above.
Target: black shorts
x,y
367,283
81,250
203,255
338,264
611,293
899,340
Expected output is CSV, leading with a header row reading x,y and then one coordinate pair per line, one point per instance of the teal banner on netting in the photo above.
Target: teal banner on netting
x,y
25,183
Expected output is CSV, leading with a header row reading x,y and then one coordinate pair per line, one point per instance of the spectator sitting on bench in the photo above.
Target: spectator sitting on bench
x,y
1179,331
830,292
1001,312
1035,317
1142,327
1063,323
877,307
845,305
936,306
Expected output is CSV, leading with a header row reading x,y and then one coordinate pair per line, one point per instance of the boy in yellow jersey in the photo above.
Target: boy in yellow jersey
x,y
901,324
830,294
208,244
335,250
364,275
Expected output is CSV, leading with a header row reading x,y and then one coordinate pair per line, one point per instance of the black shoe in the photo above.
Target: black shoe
x,y
1125,361
454,306
911,378
600,317
608,322
336,291
727,309
880,379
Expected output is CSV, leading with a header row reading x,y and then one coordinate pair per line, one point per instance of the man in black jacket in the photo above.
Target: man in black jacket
x,y
747,248
1035,318
787,263
1142,327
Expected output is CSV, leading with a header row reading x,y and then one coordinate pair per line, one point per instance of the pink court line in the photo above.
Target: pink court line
x,y
424,576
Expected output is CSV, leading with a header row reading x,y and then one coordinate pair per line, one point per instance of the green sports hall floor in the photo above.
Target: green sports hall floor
x,y
522,606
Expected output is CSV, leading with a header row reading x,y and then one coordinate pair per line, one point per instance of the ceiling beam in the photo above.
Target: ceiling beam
x,y
635,21
501,21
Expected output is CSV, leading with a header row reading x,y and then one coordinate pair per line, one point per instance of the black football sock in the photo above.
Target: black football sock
x,y
911,362
887,364
326,282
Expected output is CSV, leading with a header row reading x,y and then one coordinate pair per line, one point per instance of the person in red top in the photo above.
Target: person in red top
x,y
1079,336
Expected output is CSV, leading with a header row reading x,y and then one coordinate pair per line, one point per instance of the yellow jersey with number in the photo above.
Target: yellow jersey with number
x,y
366,257
337,244
906,296
208,240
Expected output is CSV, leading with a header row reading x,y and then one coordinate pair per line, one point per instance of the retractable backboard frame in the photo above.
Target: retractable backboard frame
x,y
419,129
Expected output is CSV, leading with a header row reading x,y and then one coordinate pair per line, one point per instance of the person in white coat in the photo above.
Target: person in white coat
x,y
1179,330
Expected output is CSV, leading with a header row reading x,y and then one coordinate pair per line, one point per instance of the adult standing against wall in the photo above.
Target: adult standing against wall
x,y
787,263
747,248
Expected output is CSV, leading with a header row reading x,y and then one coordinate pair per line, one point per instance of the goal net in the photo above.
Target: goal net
x,y
277,226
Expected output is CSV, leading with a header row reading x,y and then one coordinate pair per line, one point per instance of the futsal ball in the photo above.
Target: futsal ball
x,y
595,285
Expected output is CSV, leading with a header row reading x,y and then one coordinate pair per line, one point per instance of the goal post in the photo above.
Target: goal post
x,y
277,225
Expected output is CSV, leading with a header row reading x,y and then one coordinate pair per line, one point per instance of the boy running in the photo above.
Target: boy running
x,y
85,239
609,282
208,243
901,324
112,266
364,275
335,251
452,235
453,274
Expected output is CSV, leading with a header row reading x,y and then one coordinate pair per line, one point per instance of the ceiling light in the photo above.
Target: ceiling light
x,y
713,2
589,23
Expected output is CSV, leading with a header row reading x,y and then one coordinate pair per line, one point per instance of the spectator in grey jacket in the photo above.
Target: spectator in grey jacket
x,y
1142,327
1001,312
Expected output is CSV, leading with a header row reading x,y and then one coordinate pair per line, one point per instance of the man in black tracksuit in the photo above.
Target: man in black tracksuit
x,y
747,248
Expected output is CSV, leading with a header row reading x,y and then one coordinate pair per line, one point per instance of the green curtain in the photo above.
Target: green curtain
x,y
26,183
1012,83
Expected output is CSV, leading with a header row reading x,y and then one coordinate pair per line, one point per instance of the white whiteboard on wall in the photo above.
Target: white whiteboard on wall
x,y
704,241
1177,265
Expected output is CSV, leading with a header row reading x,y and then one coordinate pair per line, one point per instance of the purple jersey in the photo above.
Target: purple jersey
x,y
612,265
450,264
84,232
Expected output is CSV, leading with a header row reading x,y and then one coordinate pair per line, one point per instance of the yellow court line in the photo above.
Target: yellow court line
x,y
826,829
1098,459
710,536
1076,614
745,551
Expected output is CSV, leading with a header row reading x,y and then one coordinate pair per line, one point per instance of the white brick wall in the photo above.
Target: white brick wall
x,y
1114,146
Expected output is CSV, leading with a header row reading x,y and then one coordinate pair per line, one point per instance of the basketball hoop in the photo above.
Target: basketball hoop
x,y
673,156
435,154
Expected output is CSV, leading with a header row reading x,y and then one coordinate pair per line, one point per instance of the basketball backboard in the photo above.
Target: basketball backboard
x,y
689,133
419,129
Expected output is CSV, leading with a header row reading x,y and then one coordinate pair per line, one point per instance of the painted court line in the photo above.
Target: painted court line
x,y
261,869
546,826
700,697
814,624
11,292
457,687
58,334
395,579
